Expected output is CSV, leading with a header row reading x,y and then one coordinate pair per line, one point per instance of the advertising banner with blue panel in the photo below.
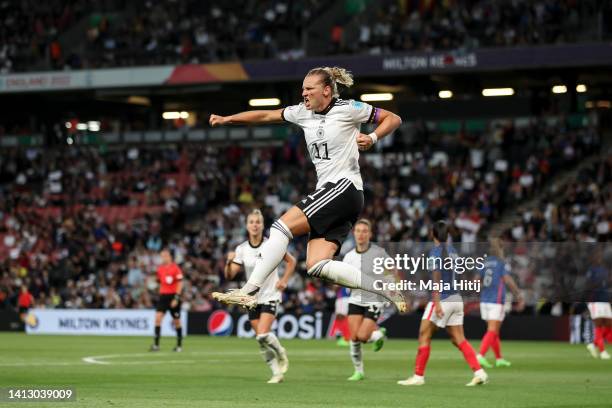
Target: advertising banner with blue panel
x,y
98,322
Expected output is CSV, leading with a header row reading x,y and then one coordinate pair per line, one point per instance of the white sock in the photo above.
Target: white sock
x,y
337,272
356,356
272,253
272,342
268,355
480,373
375,336
349,276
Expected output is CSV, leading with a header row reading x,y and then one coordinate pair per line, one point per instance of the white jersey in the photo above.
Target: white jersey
x,y
361,261
331,137
246,255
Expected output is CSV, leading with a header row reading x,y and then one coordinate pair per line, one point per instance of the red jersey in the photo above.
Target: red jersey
x,y
25,299
169,275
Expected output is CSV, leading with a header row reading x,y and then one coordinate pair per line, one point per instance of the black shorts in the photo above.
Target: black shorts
x,y
332,210
23,310
269,307
164,305
372,311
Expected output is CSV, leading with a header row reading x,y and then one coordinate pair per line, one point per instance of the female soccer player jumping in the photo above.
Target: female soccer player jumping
x,y
444,310
332,131
263,315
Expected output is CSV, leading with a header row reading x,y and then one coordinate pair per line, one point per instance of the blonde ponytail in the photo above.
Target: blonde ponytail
x,y
332,76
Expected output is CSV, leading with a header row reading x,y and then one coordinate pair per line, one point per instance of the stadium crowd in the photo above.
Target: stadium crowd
x,y
399,25
93,34
577,212
82,227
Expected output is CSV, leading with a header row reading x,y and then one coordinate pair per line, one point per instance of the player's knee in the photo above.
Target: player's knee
x,y
315,266
457,340
424,342
363,337
262,338
424,338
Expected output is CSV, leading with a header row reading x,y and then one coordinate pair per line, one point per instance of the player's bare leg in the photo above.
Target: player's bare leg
x,y
458,339
491,340
354,322
369,332
270,348
426,332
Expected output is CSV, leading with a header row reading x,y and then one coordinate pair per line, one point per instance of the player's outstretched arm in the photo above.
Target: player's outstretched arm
x,y
253,117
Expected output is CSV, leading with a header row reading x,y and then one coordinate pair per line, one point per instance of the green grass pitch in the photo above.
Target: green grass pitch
x,y
229,372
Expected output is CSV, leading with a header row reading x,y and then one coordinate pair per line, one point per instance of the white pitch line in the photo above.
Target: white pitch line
x,y
298,355
40,364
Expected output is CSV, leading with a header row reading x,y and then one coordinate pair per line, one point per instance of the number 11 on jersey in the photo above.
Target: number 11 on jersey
x,y
316,152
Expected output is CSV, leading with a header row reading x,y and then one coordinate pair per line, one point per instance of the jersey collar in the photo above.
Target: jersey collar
x,y
255,246
326,110
356,250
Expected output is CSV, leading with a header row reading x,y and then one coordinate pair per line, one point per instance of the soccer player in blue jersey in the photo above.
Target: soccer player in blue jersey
x,y
494,276
599,306
445,310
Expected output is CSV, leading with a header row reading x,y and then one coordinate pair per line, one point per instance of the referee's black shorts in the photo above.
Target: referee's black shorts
x,y
332,210
163,305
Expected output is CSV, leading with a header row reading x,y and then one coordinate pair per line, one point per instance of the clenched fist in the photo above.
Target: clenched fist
x,y
216,120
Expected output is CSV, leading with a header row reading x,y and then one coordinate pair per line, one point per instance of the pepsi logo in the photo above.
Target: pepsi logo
x,y
220,323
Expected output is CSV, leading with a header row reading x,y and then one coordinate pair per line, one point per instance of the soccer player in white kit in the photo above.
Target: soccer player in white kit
x,y
332,132
363,310
268,298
